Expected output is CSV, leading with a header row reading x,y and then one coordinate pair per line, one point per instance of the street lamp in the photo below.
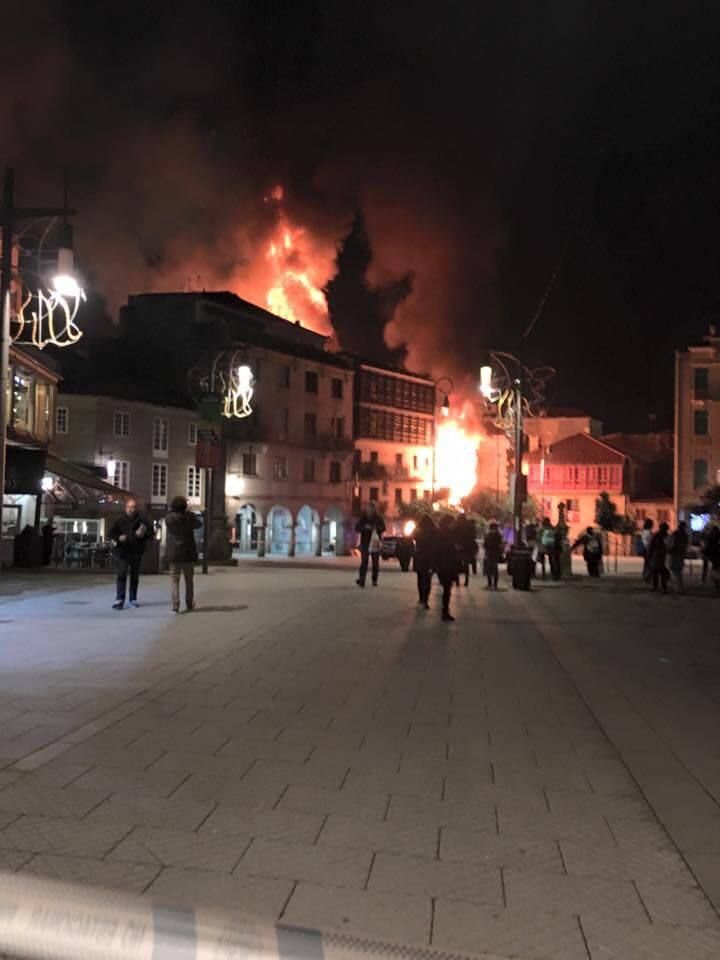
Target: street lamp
x,y
446,387
10,215
512,396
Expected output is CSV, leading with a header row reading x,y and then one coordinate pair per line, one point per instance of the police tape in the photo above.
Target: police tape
x,y
47,920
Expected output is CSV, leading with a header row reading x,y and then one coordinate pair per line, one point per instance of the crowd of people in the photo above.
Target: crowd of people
x,y
665,554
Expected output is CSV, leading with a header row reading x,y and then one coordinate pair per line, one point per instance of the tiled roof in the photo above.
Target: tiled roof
x,y
579,449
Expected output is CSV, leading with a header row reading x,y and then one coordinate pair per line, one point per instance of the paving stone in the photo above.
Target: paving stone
x,y
507,933
620,940
405,784
154,783
320,800
50,801
204,850
139,811
677,903
478,815
80,838
56,774
369,833
232,768
519,825
313,773
606,860
535,889
467,881
261,795
230,819
238,895
462,844
404,919
528,797
330,865
130,877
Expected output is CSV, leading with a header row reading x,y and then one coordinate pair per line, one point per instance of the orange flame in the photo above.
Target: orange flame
x,y
456,458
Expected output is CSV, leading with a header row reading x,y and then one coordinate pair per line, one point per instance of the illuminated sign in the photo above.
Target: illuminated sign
x,y
49,317
239,393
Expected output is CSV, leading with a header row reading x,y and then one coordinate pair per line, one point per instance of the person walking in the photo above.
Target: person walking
x,y
425,548
181,551
129,533
646,536
371,528
657,558
448,559
466,532
678,551
546,544
592,551
712,552
493,548
531,536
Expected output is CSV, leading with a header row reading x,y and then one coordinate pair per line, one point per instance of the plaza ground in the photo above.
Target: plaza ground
x,y
540,779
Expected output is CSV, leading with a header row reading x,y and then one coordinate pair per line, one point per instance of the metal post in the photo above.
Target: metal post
x,y
206,518
5,280
517,503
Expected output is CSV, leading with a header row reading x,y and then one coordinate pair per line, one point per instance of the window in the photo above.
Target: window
x,y
640,515
572,505
334,471
701,380
159,481
193,489
62,420
375,494
602,475
308,471
373,456
121,423
282,423
701,423
398,496
310,425
415,462
338,427
160,435
121,474
311,382
700,473
398,459
280,470
663,516
283,378
249,464
336,388
192,434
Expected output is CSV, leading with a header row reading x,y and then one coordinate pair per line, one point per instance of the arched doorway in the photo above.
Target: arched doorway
x,y
333,532
307,531
279,530
247,522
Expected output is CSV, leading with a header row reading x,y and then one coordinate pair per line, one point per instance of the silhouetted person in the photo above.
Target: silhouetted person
x,y
592,551
371,528
712,552
466,532
447,561
646,536
48,536
129,533
181,551
678,551
493,547
546,544
425,549
657,558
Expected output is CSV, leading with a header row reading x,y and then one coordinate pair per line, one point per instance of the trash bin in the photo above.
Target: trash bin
x,y
522,565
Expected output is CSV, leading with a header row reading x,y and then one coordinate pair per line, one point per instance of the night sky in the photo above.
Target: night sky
x,y
451,152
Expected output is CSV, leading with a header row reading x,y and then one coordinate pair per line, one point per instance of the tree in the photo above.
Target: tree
x,y
606,515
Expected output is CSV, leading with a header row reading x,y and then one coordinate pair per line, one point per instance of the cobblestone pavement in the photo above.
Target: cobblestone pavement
x,y
538,780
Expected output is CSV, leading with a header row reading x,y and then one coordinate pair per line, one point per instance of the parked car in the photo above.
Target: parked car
x,y
401,549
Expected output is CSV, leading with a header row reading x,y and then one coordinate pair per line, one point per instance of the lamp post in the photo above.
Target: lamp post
x,y
63,283
446,386
513,396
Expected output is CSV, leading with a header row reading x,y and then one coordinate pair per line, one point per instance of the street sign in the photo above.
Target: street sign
x,y
208,450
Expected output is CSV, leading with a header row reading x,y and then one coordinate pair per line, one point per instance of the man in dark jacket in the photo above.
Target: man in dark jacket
x,y
448,559
181,551
371,527
592,551
657,558
425,548
129,533
493,547
467,537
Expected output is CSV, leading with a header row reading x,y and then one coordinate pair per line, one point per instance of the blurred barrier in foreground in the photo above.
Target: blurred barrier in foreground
x,y
56,921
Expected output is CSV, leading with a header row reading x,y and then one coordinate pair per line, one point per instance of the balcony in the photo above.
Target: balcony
x,y
328,441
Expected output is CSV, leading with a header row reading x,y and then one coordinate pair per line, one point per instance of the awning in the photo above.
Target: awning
x,y
72,484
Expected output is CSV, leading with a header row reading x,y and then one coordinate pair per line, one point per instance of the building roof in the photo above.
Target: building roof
x,y
359,361
563,413
581,449
644,447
